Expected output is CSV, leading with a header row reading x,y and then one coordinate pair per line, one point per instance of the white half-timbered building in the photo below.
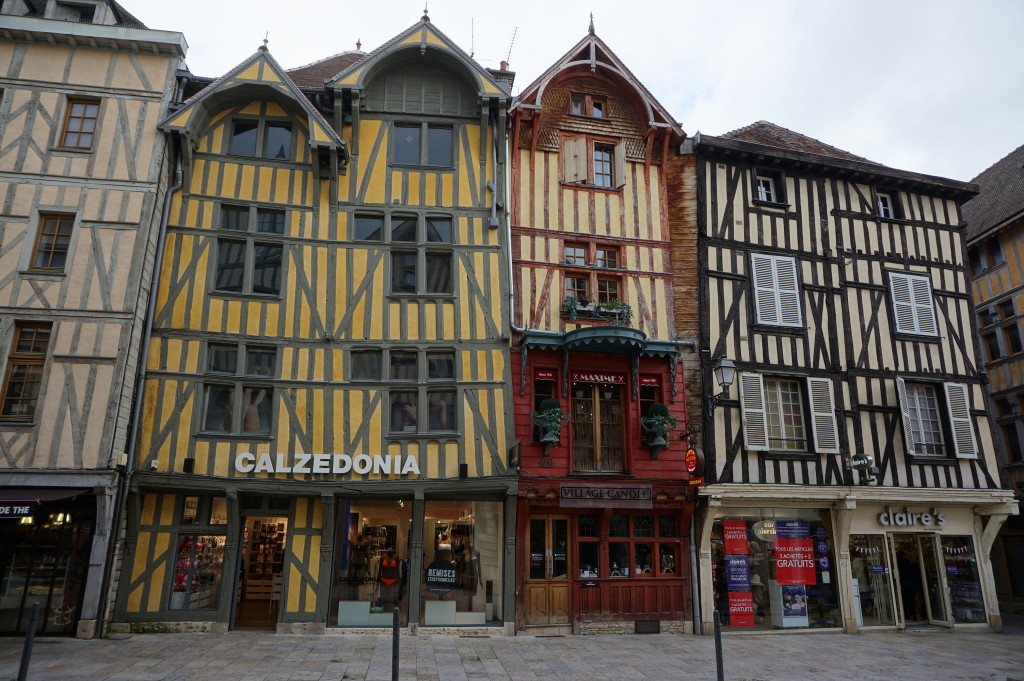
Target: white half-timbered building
x,y
851,475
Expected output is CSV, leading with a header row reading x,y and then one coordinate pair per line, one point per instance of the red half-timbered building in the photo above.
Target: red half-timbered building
x,y
605,505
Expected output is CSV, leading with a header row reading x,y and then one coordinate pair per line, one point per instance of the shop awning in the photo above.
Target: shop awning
x,y
38,496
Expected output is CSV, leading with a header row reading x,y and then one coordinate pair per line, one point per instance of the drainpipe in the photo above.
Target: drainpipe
x,y
133,426
694,582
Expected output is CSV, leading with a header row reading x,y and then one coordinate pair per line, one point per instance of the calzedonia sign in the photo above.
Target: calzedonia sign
x,y
336,464
907,518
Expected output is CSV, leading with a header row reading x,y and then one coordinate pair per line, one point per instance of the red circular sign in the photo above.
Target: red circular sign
x,y
691,460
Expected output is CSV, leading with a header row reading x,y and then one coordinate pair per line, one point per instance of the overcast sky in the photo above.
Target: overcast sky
x,y
932,86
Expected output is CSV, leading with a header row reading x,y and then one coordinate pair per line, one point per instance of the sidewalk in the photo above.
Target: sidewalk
x,y
256,656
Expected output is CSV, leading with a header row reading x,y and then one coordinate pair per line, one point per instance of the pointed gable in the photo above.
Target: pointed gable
x,y
771,135
258,77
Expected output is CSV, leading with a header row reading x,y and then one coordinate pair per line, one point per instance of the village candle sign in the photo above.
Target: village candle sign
x,y
337,464
905,518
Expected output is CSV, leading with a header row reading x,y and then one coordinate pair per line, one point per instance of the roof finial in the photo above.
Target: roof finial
x,y
266,39
359,45
591,23
425,17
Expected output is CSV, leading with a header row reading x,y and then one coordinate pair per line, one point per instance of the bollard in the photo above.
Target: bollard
x,y
30,636
718,646
396,620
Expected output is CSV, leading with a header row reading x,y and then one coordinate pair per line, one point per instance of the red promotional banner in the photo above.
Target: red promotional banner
x,y
735,536
794,555
741,609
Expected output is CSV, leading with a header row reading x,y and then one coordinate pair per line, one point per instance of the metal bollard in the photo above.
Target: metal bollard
x,y
718,646
395,623
30,636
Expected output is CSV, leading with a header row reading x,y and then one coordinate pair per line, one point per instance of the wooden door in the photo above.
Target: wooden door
x,y
548,598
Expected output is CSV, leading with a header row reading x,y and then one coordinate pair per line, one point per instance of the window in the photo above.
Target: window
x,y
776,290
80,123
418,267
596,419
69,11
593,163
608,258
582,104
576,254
239,392
421,386
1011,335
607,290
1012,440
25,363
985,255
912,304
422,144
992,346
263,138
250,264
576,287
775,418
769,186
584,285
198,569
642,544
936,418
885,207
53,242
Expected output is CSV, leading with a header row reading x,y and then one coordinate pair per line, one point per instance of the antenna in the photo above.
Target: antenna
x,y
515,30
472,38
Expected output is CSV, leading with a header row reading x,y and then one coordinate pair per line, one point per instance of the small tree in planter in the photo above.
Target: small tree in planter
x,y
657,424
549,419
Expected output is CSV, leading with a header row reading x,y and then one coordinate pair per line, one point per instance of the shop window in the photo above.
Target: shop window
x,y
779,413
53,241
422,396
776,284
769,187
422,144
593,163
80,118
638,545
244,404
936,419
963,579
23,378
582,104
262,138
912,304
198,567
596,420
203,510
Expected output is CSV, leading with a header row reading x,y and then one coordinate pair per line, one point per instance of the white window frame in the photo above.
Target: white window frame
x,y
821,424
884,204
957,419
913,307
776,287
766,188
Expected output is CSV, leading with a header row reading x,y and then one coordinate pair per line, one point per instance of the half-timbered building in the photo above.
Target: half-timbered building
x,y
83,86
852,475
995,255
326,418
604,505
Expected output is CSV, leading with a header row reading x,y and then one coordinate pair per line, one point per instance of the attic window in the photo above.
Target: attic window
x,y
582,104
67,11
769,187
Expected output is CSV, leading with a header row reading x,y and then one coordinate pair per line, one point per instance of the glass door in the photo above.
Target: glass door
x,y
936,592
548,588
920,582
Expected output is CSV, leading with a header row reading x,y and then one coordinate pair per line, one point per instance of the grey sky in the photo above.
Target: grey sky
x,y
932,86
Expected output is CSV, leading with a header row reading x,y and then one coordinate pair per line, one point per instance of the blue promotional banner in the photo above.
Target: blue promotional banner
x,y
737,573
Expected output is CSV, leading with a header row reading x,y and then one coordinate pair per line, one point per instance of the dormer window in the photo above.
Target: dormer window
x,y
73,11
582,104
769,187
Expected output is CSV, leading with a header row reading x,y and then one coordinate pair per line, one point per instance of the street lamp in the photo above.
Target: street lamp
x,y
725,373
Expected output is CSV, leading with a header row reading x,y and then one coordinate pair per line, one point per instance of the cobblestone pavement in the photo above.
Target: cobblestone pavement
x,y
254,656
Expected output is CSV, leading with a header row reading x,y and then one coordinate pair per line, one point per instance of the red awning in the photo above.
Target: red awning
x,y
38,496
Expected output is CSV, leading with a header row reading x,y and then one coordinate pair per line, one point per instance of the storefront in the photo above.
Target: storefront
x,y
846,559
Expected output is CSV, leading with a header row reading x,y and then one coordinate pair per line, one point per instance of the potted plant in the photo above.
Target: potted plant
x,y
618,309
572,305
657,424
549,419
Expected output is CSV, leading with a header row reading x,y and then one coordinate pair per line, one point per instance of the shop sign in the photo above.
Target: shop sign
x,y
650,380
741,609
545,375
16,510
441,576
694,460
595,377
696,482
737,573
794,555
362,464
735,533
600,496
906,518
765,530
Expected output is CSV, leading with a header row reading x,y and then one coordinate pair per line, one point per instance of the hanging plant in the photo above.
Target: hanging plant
x,y
573,304
550,419
658,422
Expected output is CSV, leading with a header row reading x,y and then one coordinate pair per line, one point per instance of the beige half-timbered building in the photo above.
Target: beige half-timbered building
x,y
325,428
853,480
83,86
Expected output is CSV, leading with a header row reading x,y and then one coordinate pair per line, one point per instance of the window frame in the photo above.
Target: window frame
x,y
887,204
26,360
603,457
423,385
61,218
582,104
603,519
776,180
585,278
252,238
424,247
239,382
777,291
985,255
817,412
424,144
913,309
65,131
263,125
955,421
579,159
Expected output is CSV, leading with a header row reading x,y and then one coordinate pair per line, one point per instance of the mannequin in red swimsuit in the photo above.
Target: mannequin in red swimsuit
x,y
389,575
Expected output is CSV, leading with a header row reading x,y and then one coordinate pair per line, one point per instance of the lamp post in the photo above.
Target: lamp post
x,y
725,374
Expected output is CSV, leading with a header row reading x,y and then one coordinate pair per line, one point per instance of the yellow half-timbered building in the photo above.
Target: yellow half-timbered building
x,y
325,426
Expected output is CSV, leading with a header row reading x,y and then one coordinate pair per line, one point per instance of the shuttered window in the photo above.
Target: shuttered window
x,y
925,423
593,163
823,415
912,304
755,427
776,290
774,416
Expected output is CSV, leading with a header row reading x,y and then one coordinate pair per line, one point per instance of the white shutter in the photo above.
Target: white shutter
x,y
765,298
790,312
619,163
908,428
574,159
960,422
823,415
755,427
921,290
902,303
912,304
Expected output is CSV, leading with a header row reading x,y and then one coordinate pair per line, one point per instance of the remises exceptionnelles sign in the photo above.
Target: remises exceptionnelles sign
x,y
600,496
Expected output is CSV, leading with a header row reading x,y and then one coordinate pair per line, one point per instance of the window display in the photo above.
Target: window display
x,y
197,572
963,579
640,545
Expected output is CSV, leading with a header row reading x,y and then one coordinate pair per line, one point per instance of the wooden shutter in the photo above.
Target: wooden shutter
x,y
921,290
776,290
908,427
765,300
960,422
790,313
574,159
755,426
823,415
619,161
912,304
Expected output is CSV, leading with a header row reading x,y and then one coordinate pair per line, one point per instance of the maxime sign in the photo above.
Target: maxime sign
x,y
330,464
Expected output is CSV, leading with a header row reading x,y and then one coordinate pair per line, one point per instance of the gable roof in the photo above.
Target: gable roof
x,y
1001,198
259,72
586,56
771,135
319,72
